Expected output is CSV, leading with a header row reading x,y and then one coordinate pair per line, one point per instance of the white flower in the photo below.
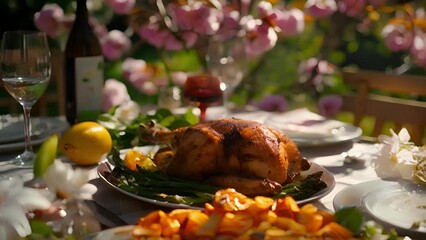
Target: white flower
x,y
394,142
66,182
420,170
127,111
15,201
398,157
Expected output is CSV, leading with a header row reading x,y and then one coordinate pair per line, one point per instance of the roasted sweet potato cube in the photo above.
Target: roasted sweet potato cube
x,y
209,207
210,227
153,230
268,216
263,203
180,214
309,208
311,221
286,223
327,217
151,218
286,207
235,224
192,223
335,231
279,234
169,226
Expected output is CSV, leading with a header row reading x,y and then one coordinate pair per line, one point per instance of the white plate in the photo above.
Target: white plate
x,y
399,206
48,126
105,166
307,128
342,133
351,196
117,233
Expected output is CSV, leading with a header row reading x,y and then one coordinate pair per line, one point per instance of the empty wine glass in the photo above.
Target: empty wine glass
x,y
25,69
203,90
227,59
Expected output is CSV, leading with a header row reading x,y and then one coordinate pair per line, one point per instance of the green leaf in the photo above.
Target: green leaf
x,y
39,227
351,218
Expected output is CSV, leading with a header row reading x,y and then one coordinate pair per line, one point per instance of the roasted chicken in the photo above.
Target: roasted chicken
x,y
248,156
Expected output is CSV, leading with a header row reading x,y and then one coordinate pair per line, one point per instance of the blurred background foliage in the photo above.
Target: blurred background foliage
x,y
335,40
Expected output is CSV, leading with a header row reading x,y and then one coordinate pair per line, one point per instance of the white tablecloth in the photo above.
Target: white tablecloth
x,y
331,156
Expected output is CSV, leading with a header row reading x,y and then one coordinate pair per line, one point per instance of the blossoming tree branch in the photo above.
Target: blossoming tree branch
x,y
185,27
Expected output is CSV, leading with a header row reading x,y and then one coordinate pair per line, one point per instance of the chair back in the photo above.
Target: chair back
x,y
387,98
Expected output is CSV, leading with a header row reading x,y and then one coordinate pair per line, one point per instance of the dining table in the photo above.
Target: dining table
x,y
350,161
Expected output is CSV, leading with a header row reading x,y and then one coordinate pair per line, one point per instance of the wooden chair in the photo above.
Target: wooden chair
x,y
403,112
52,102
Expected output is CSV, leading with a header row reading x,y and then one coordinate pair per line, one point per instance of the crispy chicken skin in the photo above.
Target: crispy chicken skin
x,y
253,158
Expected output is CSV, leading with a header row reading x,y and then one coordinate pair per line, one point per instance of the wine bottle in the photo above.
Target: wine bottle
x,y
84,70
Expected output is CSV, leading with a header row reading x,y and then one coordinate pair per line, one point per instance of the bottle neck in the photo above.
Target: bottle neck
x,y
81,11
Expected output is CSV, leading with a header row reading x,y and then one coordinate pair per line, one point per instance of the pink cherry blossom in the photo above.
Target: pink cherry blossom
x,y
351,8
142,81
142,76
307,66
321,8
418,50
291,22
179,78
330,105
163,38
231,19
148,88
114,44
261,37
273,103
182,15
209,20
313,71
264,8
114,94
397,37
121,6
197,17
49,19
100,30
136,70
152,34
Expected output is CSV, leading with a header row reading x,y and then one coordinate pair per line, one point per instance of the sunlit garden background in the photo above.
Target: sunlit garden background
x,y
301,46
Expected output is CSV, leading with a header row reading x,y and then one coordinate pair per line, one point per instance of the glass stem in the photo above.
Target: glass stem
x,y
27,123
226,96
203,109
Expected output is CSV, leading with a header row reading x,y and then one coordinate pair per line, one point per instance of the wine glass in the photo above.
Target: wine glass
x,y
203,90
227,59
25,69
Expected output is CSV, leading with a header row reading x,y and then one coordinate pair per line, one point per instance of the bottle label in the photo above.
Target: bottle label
x,y
89,81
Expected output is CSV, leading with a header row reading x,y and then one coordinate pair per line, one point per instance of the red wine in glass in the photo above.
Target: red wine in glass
x,y
203,90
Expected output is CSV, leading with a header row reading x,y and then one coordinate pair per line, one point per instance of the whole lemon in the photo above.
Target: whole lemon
x,y
86,143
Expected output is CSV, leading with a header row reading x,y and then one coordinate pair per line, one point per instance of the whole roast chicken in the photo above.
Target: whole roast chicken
x,y
248,156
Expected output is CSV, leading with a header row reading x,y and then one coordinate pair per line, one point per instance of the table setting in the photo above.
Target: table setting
x,y
347,165
205,120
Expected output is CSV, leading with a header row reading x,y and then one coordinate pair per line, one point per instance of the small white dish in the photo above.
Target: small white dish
x,y
351,196
399,206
